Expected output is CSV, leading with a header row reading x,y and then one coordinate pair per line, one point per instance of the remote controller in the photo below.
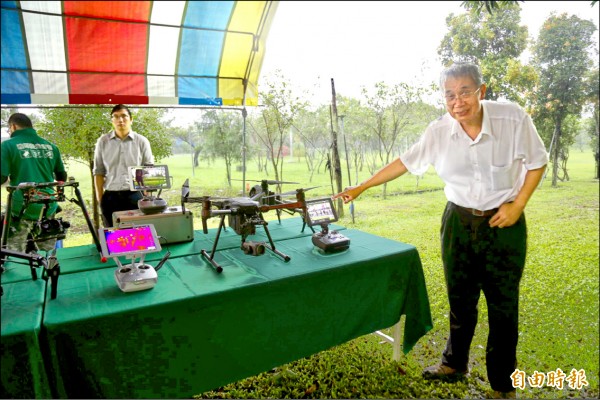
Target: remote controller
x,y
330,241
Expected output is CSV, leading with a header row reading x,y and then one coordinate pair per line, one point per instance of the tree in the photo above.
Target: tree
x,y
76,130
312,128
192,137
6,113
387,117
355,137
490,6
224,137
562,57
494,41
280,108
593,124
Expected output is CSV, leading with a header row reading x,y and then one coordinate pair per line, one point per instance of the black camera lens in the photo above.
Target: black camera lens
x,y
253,248
47,228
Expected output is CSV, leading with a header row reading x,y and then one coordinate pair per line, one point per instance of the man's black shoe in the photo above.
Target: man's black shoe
x,y
441,371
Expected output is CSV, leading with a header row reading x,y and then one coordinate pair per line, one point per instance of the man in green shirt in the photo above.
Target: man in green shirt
x,y
26,157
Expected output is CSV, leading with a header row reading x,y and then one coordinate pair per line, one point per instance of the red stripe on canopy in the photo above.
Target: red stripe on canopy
x,y
106,99
118,10
130,85
123,47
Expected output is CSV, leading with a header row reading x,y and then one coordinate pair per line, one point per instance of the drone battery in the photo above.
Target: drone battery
x,y
171,224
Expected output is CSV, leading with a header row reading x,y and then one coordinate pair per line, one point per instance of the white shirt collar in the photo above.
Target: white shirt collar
x,y
486,126
131,135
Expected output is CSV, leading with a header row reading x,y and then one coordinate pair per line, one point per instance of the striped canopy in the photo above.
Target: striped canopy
x,y
133,52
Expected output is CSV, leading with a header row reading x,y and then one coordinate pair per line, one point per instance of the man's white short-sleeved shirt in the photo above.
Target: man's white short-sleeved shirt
x,y
486,172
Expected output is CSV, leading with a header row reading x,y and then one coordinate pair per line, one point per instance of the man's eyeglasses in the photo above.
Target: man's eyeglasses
x,y
120,116
451,98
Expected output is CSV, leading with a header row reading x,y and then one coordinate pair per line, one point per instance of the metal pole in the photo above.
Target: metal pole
x,y
291,144
192,146
345,149
347,163
335,162
244,115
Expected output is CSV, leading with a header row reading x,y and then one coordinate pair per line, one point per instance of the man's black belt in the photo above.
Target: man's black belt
x,y
121,192
476,213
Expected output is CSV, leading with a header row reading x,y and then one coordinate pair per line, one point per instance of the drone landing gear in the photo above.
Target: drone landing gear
x,y
50,265
271,246
251,248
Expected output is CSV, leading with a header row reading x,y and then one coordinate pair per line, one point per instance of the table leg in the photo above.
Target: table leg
x,y
395,340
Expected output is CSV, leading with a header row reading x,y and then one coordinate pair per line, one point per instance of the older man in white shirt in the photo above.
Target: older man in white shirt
x,y
491,159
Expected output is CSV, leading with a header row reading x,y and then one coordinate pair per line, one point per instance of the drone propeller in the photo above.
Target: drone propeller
x,y
185,189
185,196
292,192
267,181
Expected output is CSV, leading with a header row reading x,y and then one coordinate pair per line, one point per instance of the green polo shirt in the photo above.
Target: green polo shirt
x,y
26,157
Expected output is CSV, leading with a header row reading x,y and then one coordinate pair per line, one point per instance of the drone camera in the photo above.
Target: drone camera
x,y
253,248
50,228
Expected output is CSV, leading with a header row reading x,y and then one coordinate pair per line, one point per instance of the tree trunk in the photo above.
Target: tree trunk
x,y
564,157
197,152
228,163
555,153
597,156
597,136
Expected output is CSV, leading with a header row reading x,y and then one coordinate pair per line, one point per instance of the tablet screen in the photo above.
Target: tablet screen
x,y
154,177
320,211
128,241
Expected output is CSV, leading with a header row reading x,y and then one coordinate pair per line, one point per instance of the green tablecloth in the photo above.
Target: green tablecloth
x,y
18,271
22,367
197,330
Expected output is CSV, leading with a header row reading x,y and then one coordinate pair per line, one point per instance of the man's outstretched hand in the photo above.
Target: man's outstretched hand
x,y
349,194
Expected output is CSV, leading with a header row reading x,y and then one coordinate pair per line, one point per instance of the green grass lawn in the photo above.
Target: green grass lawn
x,y
559,291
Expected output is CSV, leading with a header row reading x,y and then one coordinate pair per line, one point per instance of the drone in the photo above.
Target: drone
x,y
45,228
264,195
244,214
267,197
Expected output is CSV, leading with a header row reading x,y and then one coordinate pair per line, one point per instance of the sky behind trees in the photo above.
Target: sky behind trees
x,y
361,43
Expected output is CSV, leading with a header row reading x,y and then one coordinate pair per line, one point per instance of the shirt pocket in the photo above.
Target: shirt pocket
x,y
506,176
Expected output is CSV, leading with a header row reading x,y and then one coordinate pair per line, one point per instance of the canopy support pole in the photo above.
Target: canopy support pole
x,y
244,115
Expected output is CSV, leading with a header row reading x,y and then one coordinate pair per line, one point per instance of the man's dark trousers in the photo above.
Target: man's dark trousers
x,y
121,200
477,257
